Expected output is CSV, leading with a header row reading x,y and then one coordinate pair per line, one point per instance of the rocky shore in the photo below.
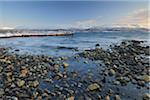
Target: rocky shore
x,y
37,77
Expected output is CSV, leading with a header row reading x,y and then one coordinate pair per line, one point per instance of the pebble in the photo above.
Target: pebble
x,y
35,84
145,78
146,96
117,97
107,97
48,80
1,92
70,98
21,83
110,91
24,72
59,74
65,65
93,87
116,82
112,72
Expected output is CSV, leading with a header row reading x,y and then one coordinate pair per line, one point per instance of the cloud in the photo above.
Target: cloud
x,y
87,23
139,18
6,28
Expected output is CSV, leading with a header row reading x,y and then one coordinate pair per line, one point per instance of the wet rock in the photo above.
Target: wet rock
x,y
59,74
70,98
13,85
45,95
24,72
48,80
107,97
122,80
65,65
1,92
146,96
86,62
97,45
56,67
116,82
110,91
145,78
64,58
12,98
141,83
47,91
93,87
134,81
5,61
112,72
17,50
20,83
1,69
117,97
35,84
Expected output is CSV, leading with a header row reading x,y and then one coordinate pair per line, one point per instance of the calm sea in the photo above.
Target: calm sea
x,y
68,45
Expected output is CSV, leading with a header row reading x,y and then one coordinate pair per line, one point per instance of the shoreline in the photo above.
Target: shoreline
x,y
36,35
46,77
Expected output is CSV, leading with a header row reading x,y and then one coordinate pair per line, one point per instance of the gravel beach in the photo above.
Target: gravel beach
x,y
119,73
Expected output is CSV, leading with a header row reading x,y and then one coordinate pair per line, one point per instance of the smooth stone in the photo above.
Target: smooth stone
x,y
116,82
93,87
21,83
13,98
70,98
17,50
117,97
13,85
48,80
64,58
146,96
141,83
107,97
86,62
59,74
44,95
24,72
65,65
110,91
1,69
145,78
35,84
2,92
47,91
112,72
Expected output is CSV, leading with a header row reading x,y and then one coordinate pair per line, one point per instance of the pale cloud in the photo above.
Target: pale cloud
x,y
139,18
87,23
6,28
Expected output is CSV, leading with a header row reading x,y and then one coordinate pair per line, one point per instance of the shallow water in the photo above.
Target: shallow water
x,y
80,41
56,46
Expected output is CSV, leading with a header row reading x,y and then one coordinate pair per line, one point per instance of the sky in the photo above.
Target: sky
x,y
73,14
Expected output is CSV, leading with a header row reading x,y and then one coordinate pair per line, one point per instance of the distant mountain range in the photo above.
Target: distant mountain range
x,y
93,29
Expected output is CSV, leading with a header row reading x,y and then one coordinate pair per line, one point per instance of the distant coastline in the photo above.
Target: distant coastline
x,y
9,33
